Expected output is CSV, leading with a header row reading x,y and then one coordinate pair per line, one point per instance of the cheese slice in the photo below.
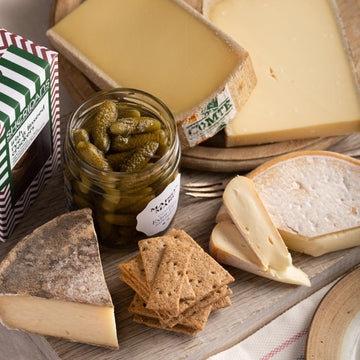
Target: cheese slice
x,y
313,198
306,85
165,48
254,224
52,283
228,246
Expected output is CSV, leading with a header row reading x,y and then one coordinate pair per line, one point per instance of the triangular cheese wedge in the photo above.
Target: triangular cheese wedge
x,y
229,247
52,283
253,222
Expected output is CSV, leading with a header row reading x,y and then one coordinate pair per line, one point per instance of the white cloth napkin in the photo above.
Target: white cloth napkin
x,y
282,339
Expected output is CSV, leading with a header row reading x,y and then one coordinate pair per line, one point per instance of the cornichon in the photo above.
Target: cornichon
x,y
105,116
124,111
116,160
80,135
121,143
130,126
140,157
92,155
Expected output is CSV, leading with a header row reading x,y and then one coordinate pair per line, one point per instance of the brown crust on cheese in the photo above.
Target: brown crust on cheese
x,y
59,260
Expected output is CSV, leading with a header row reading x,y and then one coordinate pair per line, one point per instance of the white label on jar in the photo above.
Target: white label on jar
x,y
211,119
159,212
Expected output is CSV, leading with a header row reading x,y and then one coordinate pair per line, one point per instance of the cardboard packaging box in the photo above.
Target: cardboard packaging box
x,y
29,125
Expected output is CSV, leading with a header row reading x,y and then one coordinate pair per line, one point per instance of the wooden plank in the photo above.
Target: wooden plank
x,y
256,301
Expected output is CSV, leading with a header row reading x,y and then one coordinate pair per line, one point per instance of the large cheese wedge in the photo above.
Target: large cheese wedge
x,y
228,246
306,86
313,198
258,243
52,283
165,48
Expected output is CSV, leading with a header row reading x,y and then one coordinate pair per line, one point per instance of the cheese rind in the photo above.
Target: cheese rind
x,y
253,222
300,93
313,198
57,270
187,66
229,247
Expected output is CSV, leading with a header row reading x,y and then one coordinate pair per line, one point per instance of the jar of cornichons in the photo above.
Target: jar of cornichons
x,y
121,159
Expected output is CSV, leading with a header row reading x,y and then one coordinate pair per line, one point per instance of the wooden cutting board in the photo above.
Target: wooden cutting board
x,y
214,156
256,300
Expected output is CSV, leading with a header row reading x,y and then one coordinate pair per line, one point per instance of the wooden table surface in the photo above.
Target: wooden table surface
x,y
256,300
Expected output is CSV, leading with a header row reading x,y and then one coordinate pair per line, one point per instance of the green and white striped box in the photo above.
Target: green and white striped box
x,y
29,125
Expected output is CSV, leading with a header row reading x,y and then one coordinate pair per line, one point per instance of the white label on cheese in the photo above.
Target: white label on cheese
x,y
159,212
210,120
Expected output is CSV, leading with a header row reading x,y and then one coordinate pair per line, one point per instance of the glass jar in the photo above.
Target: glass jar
x,y
125,205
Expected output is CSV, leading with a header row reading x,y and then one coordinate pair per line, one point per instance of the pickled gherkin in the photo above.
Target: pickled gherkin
x,y
105,116
116,160
130,126
120,219
92,155
80,135
125,111
121,143
140,157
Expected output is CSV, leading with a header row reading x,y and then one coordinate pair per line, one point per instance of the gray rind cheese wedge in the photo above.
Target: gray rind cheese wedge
x,y
229,247
313,198
52,283
198,71
254,224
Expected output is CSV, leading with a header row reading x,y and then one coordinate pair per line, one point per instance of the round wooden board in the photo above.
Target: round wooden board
x,y
201,157
332,319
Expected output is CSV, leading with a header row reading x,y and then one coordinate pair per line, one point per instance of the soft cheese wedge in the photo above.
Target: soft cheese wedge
x,y
52,283
228,246
313,198
165,48
253,222
300,93
257,243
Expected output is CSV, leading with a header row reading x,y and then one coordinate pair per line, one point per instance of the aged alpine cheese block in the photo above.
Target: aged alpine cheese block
x,y
52,283
306,85
313,198
253,242
165,48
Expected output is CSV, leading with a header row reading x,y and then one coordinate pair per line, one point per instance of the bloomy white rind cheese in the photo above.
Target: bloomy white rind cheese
x,y
52,283
199,72
313,198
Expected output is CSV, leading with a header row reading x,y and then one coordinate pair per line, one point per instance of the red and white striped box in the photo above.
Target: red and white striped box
x,y
29,125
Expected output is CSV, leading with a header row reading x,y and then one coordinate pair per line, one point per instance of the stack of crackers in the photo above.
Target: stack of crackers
x,y
177,283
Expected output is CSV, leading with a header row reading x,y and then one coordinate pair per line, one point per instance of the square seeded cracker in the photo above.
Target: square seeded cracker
x,y
156,324
167,286
151,251
196,321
